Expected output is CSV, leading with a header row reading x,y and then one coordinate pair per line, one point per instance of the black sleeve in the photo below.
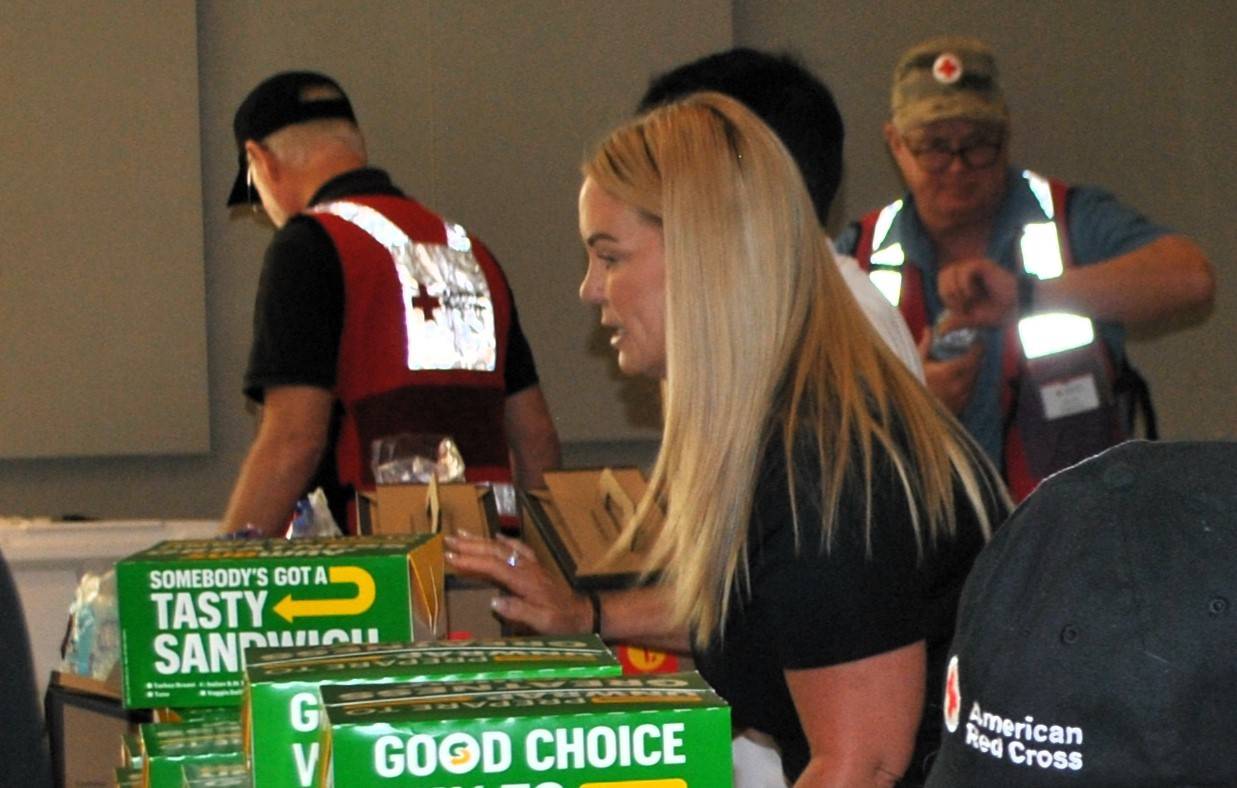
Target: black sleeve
x,y
845,601
298,316
521,371
23,748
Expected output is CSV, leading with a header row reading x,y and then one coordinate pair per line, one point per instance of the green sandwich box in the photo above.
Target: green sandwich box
x,y
281,711
652,731
189,609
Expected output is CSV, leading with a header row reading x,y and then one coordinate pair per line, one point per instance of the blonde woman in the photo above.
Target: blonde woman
x,y
821,511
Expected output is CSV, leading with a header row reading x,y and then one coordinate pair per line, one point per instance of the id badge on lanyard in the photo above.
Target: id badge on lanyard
x,y
1066,408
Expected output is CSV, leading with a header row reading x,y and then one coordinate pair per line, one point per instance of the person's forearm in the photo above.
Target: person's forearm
x,y
532,458
1162,279
823,772
638,616
272,477
531,436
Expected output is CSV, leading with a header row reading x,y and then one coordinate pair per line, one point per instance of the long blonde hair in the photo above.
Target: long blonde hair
x,y
762,335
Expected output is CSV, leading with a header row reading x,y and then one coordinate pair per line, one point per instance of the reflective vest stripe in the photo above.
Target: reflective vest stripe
x,y
449,318
1042,256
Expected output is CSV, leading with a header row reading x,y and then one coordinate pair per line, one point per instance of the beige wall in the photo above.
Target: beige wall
x,y
484,109
1134,96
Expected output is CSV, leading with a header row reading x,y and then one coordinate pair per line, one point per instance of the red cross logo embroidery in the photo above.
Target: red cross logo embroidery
x,y
947,69
953,696
426,303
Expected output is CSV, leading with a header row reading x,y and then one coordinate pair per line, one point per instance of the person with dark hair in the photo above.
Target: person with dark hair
x,y
1026,284
785,95
24,758
801,111
371,303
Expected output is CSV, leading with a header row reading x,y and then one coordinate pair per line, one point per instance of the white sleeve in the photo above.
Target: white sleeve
x,y
885,318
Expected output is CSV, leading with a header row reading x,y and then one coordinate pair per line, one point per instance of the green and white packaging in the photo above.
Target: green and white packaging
x,y
652,731
189,609
216,775
170,747
199,714
131,751
281,710
127,777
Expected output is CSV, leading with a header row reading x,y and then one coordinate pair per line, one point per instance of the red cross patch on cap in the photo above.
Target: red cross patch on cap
x,y
947,69
953,696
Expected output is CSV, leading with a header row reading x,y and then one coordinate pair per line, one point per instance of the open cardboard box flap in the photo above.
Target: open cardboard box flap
x,y
414,508
462,506
573,524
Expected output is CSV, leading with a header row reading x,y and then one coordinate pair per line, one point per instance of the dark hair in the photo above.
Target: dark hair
x,y
784,94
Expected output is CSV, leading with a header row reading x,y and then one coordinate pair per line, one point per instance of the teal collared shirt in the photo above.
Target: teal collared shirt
x,y
1100,228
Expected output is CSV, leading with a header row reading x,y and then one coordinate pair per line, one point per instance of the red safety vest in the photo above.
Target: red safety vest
x,y
1056,372
424,342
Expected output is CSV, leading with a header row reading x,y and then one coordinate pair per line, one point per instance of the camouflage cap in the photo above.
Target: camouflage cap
x,y
947,78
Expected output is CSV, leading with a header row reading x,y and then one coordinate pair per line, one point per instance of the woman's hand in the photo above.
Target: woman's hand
x,y
537,599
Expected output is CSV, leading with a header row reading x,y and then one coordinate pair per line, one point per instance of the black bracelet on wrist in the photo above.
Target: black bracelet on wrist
x,y
595,600
1026,293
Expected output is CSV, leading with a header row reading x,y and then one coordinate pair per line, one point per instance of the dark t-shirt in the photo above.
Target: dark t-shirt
x,y
811,608
298,318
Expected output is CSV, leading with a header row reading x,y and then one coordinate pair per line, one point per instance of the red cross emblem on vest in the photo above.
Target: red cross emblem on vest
x,y
425,302
947,69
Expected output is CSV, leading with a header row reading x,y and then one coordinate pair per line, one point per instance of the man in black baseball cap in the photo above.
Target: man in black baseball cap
x,y
1096,642
374,317
284,99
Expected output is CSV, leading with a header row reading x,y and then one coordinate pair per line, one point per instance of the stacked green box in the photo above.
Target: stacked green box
x,y
188,609
199,714
216,775
281,691
127,777
131,751
169,747
652,731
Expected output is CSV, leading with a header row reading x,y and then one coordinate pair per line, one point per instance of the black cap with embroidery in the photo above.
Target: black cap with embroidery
x,y
1096,641
284,99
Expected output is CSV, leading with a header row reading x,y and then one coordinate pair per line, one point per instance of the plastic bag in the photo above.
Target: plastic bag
x,y
312,517
412,458
93,643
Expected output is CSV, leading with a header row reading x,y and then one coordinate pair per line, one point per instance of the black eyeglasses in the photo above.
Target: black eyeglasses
x,y
936,155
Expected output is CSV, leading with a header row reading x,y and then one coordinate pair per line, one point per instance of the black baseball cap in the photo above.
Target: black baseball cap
x,y
1096,641
284,99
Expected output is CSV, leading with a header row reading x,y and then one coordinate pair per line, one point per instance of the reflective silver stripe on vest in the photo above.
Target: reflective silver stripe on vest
x,y
1055,332
885,262
448,309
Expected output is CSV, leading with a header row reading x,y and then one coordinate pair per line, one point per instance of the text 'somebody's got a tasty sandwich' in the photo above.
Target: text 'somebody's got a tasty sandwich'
x,y
190,609
652,731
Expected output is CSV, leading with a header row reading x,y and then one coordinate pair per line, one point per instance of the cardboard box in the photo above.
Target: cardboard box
x,y
198,714
449,508
670,730
131,751
282,718
87,726
170,746
129,778
216,775
574,523
428,508
189,609
469,614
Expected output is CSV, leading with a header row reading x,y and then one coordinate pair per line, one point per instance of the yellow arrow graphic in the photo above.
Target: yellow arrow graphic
x,y
289,608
